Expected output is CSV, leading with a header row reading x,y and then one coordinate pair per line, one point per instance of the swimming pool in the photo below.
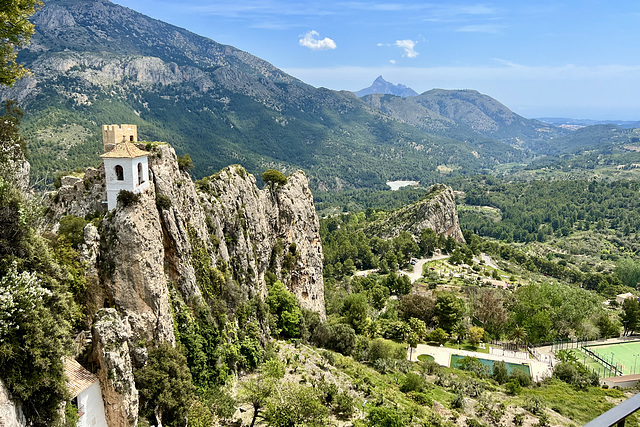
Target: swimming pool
x,y
487,362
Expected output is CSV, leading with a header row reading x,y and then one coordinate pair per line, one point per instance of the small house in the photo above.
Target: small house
x,y
84,388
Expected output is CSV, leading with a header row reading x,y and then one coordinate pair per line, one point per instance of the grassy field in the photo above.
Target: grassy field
x,y
624,355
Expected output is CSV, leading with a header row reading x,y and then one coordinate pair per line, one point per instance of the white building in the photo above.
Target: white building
x,y
84,388
126,167
622,297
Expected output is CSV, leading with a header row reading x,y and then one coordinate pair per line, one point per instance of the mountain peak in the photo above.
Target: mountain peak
x,y
380,85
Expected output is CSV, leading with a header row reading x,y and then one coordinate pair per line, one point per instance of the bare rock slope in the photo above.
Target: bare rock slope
x,y
436,210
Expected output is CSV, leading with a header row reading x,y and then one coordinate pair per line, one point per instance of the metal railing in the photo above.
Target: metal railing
x,y
616,416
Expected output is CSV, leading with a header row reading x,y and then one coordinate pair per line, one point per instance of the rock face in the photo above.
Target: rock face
x,y
10,414
79,195
275,229
436,210
150,252
382,86
241,228
111,352
14,165
132,268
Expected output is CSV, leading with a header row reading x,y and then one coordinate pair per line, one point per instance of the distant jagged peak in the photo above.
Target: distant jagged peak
x,y
380,85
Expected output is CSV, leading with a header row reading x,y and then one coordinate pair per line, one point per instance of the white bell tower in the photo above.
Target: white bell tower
x,y
126,166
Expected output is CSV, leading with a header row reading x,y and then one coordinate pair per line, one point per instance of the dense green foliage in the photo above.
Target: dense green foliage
x,y
37,310
537,210
165,386
284,307
15,33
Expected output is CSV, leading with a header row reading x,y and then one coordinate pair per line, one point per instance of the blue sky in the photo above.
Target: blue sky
x,y
577,59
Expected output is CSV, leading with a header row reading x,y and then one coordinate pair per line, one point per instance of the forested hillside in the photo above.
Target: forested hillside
x,y
95,62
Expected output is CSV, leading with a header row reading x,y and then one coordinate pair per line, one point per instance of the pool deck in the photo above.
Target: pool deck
x,y
442,356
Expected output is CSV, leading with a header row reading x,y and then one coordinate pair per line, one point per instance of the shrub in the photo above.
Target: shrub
x,y
343,405
513,387
500,373
420,398
472,364
163,202
165,385
384,416
534,404
185,163
412,382
127,198
521,377
72,229
458,401
298,405
518,419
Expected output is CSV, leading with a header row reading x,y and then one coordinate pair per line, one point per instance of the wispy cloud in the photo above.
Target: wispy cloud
x,y
409,48
457,13
432,9
483,28
312,41
254,9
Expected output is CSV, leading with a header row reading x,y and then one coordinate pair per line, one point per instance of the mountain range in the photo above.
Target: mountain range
x,y
94,62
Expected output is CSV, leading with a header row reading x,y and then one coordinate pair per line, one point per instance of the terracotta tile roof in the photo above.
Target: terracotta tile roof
x,y
78,378
125,150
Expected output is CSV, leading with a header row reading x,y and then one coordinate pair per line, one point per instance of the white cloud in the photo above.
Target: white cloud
x,y
409,48
313,42
393,61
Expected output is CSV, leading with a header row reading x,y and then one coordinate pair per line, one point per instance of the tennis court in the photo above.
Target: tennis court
x,y
625,356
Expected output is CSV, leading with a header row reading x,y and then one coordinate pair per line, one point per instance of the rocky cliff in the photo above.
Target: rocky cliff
x,y
176,244
436,210
10,414
275,229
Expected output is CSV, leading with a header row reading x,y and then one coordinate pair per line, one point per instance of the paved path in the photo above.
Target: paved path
x,y
442,356
413,275
417,269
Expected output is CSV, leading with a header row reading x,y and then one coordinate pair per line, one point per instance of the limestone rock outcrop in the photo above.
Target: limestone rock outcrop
x,y
132,268
148,253
14,165
10,414
111,353
436,210
79,195
274,229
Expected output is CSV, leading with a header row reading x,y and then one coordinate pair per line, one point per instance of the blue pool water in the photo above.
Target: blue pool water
x,y
489,363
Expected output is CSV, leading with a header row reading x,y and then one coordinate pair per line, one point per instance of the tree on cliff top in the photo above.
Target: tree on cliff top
x,y
15,32
274,178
